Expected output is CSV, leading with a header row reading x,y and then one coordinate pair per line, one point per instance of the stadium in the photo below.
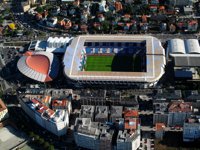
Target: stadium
x,y
115,59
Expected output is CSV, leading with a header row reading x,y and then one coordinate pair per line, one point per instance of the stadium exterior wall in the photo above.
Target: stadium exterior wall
x,y
155,57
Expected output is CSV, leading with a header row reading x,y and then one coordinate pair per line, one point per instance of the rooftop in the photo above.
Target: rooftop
x,y
101,112
126,136
131,113
98,130
116,111
40,66
154,57
160,126
131,123
2,105
180,106
41,107
35,61
193,120
87,111
60,103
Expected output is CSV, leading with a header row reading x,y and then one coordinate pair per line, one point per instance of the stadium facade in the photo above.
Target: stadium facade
x,y
81,47
40,66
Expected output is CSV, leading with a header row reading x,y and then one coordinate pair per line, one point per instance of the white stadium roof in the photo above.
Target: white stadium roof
x,y
177,46
155,60
192,46
57,44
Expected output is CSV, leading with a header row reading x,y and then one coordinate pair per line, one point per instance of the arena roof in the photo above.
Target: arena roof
x,y
186,53
192,46
155,60
40,66
57,44
179,47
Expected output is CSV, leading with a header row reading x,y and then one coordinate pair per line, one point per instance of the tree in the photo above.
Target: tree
x,y
36,137
105,26
46,145
39,9
41,141
51,147
31,134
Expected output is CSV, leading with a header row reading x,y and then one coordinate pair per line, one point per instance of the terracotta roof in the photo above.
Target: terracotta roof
x,y
162,8
180,107
46,99
144,18
118,6
127,16
43,109
39,63
131,123
2,105
192,22
160,126
100,16
96,24
153,6
59,103
131,113
38,16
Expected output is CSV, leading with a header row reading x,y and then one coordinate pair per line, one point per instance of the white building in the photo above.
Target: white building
x,y
57,44
92,135
102,6
55,121
179,47
3,111
127,140
191,130
51,22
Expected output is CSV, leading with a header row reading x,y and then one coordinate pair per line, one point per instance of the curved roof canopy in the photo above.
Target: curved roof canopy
x,y
177,46
40,66
39,63
192,46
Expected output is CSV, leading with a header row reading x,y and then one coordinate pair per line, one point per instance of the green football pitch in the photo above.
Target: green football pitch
x,y
124,63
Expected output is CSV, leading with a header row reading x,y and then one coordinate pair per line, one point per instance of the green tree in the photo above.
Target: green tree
x,y
46,145
105,26
36,137
39,9
51,147
41,141
31,134
1,93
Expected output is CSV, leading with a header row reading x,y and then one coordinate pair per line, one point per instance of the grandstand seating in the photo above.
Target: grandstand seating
x,y
124,48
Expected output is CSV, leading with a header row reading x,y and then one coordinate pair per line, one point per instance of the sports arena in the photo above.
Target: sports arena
x,y
40,66
115,59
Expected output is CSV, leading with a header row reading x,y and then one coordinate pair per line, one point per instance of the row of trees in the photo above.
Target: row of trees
x,y
40,141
